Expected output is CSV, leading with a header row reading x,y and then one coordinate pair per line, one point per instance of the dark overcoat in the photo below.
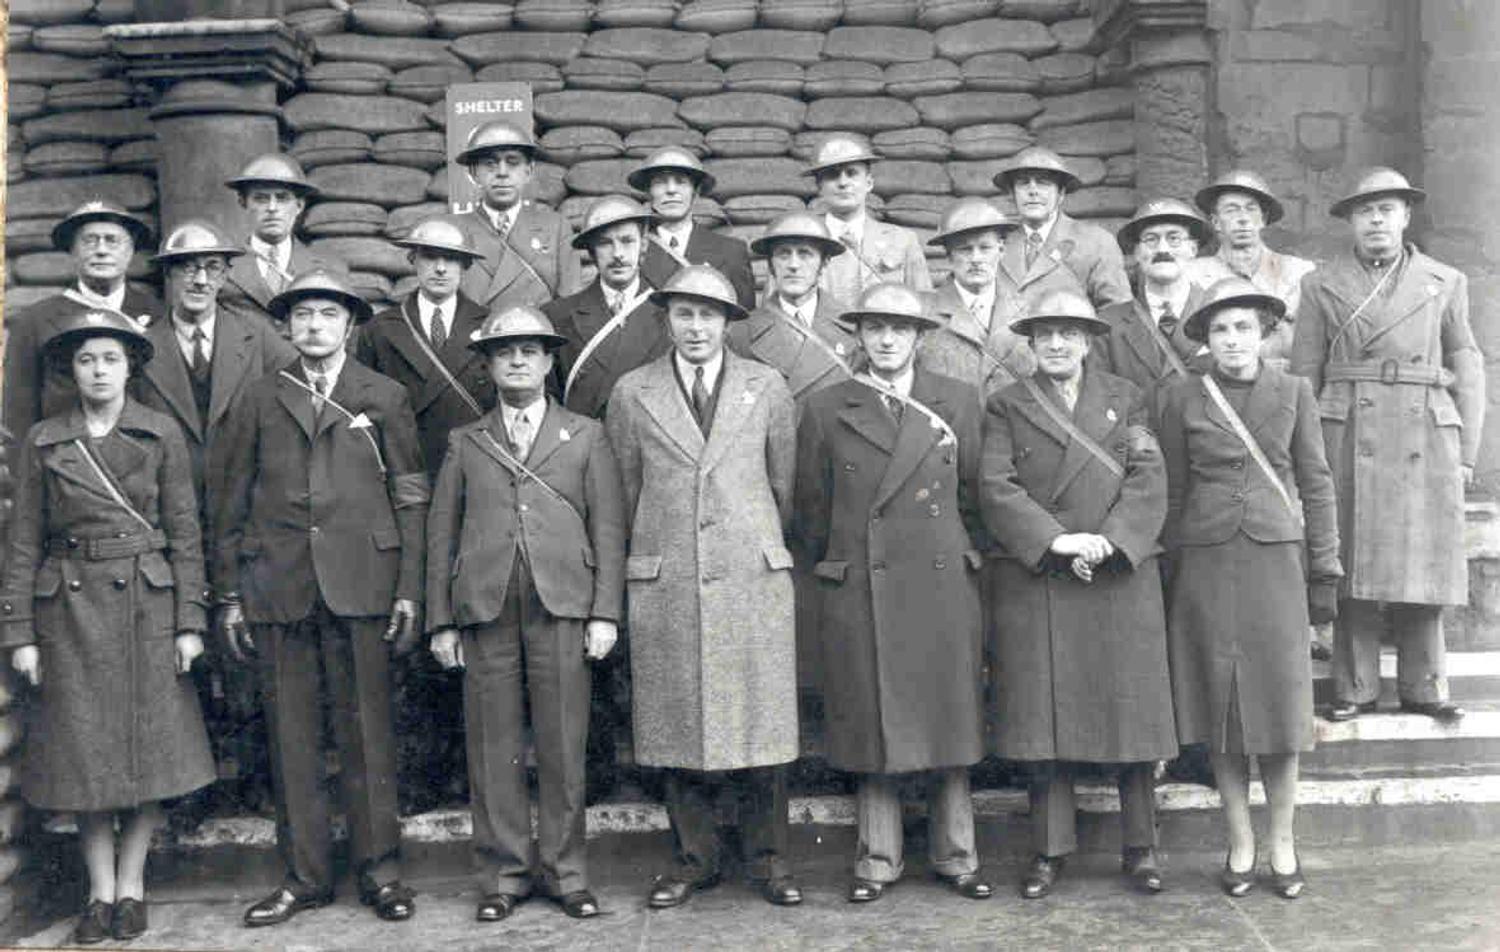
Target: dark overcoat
x,y
777,340
1083,250
388,345
113,725
990,357
1396,445
486,512
712,645
704,246
1130,349
888,516
534,262
639,340
311,505
33,391
1078,669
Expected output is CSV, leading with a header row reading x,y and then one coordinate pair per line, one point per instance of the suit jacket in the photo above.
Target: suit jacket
x,y
778,340
988,358
246,290
886,253
304,508
388,346
729,255
33,391
486,511
641,339
1129,351
888,514
1214,487
536,247
1086,251
712,641
245,349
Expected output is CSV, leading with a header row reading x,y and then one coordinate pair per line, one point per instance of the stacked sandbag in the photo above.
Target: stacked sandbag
x,y
12,808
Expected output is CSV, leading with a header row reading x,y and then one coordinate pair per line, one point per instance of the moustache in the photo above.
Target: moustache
x,y
1162,257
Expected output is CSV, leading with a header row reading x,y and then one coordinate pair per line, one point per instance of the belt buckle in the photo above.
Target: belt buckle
x,y
1393,366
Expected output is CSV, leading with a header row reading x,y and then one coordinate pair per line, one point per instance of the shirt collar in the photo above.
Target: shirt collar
x,y
808,308
533,413
969,298
115,299
279,254
901,385
629,293
446,308
1045,231
331,374
854,228
185,330
683,230
1177,299
509,215
710,370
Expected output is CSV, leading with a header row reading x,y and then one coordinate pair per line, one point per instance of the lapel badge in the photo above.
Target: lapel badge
x,y
748,398
1055,255
143,319
538,245
922,494
563,435
838,349
1110,415
1432,290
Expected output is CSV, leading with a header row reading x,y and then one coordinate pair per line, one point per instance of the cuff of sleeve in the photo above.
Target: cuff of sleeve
x,y
191,617
17,633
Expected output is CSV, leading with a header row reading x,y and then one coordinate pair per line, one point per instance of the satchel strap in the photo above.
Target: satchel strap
x,y
1071,428
1217,395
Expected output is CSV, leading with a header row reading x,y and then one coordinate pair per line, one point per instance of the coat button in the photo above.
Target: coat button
x,y
313,530
525,508
934,510
1237,497
119,584
848,467
75,585
1237,464
72,543
8,608
122,534
1366,402
939,564
877,566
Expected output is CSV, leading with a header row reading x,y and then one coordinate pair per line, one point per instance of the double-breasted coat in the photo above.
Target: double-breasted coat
x,y
313,505
704,246
532,264
103,598
32,391
641,338
988,357
1401,394
712,647
886,252
1079,669
245,289
1081,249
389,346
888,514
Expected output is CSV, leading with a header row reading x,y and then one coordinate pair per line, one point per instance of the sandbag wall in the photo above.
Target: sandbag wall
x,y
946,89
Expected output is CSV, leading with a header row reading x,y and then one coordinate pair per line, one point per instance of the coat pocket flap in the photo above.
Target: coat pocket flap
x,y
388,538
832,571
1444,413
778,557
48,579
642,568
156,570
974,558
588,557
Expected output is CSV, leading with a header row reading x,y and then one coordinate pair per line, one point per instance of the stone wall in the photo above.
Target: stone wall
x,y
947,89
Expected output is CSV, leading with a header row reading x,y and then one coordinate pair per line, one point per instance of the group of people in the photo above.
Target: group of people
x,y
1111,499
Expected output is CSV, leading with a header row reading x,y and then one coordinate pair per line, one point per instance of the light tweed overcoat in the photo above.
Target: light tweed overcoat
x,y
708,580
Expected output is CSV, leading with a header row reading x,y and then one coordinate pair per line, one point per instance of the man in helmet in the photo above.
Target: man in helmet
x,y
423,344
612,326
706,441
673,178
525,257
1147,345
1384,335
101,237
878,251
273,191
1239,206
1049,239
974,341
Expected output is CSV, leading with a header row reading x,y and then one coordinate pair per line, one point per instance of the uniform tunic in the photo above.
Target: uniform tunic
x,y
114,725
1237,624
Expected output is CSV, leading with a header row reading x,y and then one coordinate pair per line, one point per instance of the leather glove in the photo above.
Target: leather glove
x,y
402,633
189,645
1322,602
234,632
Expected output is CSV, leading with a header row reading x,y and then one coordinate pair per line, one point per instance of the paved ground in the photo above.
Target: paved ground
x,y
1396,898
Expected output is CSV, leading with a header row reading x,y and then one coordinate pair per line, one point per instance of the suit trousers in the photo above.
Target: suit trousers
x,y
1421,657
527,659
1054,808
351,659
950,825
764,828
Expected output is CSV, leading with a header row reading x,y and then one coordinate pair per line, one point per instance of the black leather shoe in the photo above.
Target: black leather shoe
x,y
93,926
393,902
1349,710
1143,869
1236,885
280,906
1288,885
129,919
495,907
669,891
1444,712
781,891
969,885
579,904
865,890
1041,875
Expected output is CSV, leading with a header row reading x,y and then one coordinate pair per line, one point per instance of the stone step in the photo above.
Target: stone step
x,y
1472,676
1406,745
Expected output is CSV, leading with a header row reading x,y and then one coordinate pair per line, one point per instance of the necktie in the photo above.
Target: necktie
x,y
700,399
199,363
616,303
1033,247
847,240
895,406
272,276
672,243
1166,321
520,435
437,333
502,225
320,384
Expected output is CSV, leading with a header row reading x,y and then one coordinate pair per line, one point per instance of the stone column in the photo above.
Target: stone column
x,y
217,83
1166,44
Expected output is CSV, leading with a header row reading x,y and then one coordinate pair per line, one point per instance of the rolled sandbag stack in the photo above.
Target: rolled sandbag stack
x,y
12,808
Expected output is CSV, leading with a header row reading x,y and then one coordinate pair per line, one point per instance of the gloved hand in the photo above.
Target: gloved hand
x,y
233,631
189,646
448,649
402,633
1322,602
